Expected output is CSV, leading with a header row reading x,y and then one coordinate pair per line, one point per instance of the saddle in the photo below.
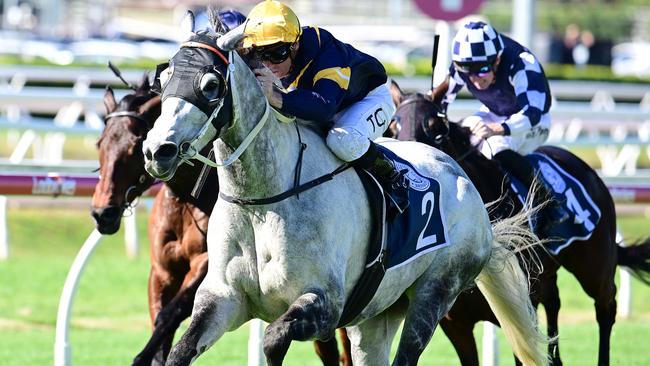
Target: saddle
x,y
584,214
415,232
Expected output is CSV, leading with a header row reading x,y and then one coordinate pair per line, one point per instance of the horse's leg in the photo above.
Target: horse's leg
x,y
328,351
371,340
550,298
432,298
470,308
461,336
600,286
346,356
162,287
214,312
310,316
172,314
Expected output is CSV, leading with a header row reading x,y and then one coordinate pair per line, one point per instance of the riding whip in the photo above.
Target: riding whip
x,y
117,73
434,57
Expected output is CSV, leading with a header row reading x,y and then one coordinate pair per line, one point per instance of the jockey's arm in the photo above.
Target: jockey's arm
x,y
528,83
437,93
321,100
319,104
446,92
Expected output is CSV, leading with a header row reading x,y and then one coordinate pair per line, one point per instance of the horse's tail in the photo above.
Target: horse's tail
x,y
637,258
506,288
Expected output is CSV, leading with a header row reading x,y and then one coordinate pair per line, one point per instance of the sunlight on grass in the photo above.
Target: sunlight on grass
x,y
111,321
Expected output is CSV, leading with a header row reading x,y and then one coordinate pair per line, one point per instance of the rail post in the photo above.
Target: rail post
x,y
490,354
255,338
62,347
4,233
625,290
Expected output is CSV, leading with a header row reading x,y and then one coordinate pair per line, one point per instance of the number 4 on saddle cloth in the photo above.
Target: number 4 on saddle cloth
x,y
569,192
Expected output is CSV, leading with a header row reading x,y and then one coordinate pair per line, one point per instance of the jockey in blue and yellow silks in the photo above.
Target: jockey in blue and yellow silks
x,y
327,81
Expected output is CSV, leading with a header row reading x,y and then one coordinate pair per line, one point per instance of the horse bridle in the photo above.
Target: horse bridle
x,y
128,206
440,138
436,140
125,114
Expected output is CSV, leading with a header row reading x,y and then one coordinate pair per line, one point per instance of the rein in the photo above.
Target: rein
x,y
284,195
208,132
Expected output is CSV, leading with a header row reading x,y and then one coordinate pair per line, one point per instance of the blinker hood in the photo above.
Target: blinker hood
x,y
189,65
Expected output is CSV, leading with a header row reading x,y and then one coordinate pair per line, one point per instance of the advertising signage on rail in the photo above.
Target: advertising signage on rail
x,y
448,9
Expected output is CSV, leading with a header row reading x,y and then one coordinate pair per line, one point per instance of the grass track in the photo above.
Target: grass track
x,y
110,316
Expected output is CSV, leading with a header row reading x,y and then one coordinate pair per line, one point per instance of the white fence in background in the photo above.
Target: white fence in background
x,y
619,111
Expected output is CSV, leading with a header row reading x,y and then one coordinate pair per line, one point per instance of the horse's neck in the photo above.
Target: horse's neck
x,y
266,166
486,174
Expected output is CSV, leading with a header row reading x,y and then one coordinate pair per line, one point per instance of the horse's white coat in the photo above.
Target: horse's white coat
x,y
263,259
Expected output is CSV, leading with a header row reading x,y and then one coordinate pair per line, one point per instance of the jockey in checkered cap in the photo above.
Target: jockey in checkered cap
x,y
514,118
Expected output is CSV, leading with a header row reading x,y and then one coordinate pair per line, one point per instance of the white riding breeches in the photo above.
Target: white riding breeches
x,y
363,121
524,144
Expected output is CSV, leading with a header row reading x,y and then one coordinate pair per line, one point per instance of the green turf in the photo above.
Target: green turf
x,y
110,315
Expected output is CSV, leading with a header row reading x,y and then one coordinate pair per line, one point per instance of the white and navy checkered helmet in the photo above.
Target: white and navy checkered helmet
x,y
476,42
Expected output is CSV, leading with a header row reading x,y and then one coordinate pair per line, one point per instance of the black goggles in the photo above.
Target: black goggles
x,y
480,69
274,54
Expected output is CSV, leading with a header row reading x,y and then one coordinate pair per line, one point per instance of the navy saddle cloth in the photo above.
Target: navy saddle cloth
x,y
583,212
420,229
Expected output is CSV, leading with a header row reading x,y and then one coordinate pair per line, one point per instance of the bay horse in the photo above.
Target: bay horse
x,y
592,261
177,224
294,260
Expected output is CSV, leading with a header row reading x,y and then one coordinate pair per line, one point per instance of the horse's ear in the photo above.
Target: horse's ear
x,y
109,100
187,25
396,92
144,84
150,110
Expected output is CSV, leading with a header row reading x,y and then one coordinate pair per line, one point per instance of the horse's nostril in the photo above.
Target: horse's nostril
x,y
106,214
166,151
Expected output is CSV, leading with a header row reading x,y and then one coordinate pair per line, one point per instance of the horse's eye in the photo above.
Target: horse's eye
x,y
210,86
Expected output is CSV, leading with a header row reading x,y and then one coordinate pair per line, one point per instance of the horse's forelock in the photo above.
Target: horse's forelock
x,y
215,20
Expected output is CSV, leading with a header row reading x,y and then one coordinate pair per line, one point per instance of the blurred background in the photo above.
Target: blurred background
x,y
593,39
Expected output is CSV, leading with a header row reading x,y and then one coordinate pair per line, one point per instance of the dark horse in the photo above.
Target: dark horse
x,y
592,261
177,224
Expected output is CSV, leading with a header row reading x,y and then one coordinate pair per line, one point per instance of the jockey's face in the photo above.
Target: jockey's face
x,y
482,82
281,69
281,66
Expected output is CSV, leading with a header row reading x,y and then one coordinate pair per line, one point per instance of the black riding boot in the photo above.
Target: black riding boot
x,y
550,215
393,181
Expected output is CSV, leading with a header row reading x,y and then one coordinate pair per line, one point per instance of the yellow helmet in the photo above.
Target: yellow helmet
x,y
271,22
